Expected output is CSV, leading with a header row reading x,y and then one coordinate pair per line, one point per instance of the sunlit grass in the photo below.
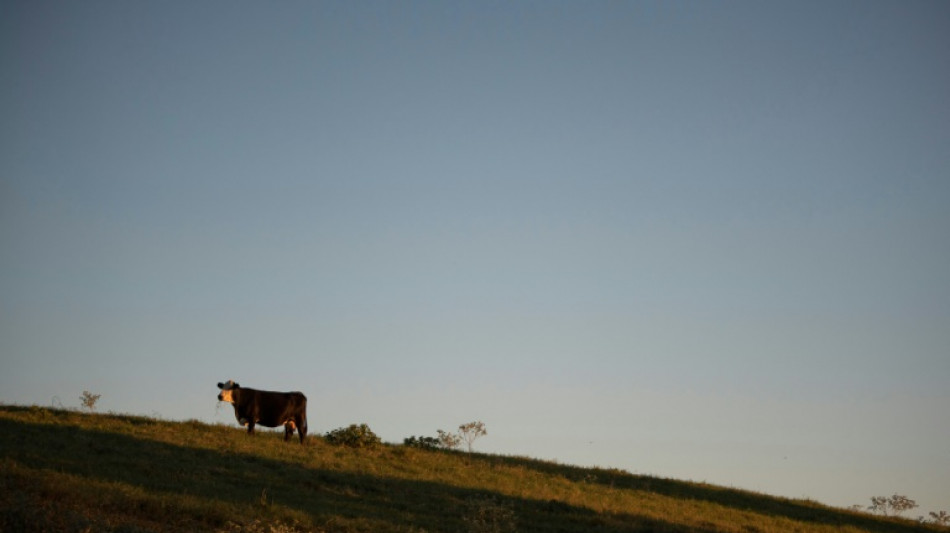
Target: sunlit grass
x,y
69,471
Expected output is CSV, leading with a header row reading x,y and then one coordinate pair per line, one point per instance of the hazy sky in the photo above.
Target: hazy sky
x,y
702,240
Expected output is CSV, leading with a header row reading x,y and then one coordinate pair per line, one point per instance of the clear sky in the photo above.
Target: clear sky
x,y
702,240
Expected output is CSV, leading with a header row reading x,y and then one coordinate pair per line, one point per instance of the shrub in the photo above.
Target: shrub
x,y
354,436
425,443
468,433
893,506
449,440
941,518
89,400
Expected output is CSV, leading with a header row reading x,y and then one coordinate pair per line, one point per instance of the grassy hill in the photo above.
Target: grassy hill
x,y
68,471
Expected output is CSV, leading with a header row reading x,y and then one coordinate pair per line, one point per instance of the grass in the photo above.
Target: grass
x,y
63,470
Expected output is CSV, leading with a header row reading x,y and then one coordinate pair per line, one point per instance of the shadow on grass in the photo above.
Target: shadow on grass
x,y
251,487
738,499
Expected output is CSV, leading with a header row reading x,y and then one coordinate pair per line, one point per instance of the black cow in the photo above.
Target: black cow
x,y
269,409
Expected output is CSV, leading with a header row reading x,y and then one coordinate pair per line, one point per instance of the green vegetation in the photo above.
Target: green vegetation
x,y
66,470
354,436
468,433
428,443
893,506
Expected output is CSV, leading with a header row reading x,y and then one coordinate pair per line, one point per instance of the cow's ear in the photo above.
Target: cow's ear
x,y
235,386
220,385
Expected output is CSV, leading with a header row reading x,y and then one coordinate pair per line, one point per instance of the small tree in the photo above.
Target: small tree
x,y
940,518
467,434
89,400
893,506
471,431
449,440
878,505
900,503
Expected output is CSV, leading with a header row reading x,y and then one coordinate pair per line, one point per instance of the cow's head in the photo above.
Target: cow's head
x,y
227,391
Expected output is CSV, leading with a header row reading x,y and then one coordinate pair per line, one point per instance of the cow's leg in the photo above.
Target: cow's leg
x,y
288,430
302,427
250,428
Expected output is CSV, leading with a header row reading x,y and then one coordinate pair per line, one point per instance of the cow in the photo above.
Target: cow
x,y
266,408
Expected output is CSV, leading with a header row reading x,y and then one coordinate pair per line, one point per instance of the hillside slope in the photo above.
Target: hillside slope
x,y
68,471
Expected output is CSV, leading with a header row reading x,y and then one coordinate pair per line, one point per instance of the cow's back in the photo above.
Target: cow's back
x,y
272,409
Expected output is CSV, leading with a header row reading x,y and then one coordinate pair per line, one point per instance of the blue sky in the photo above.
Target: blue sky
x,y
700,240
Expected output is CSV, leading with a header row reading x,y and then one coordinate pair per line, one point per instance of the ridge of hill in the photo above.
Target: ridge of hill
x,y
63,470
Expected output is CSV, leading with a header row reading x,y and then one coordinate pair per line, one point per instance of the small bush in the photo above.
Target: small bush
x,y
893,506
941,518
354,436
449,441
425,443
468,433
89,400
